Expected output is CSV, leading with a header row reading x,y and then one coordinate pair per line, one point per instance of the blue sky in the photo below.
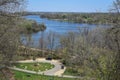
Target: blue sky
x,y
69,5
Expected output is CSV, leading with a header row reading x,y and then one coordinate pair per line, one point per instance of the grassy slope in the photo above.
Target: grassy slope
x,y
27,76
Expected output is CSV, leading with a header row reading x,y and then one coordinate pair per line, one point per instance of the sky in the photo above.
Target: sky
x,y
69,5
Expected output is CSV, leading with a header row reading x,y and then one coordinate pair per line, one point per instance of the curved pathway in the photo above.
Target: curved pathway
x,y
54,71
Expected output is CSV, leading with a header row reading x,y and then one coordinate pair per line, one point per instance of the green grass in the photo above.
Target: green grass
x,y
26,76
70,71
35,66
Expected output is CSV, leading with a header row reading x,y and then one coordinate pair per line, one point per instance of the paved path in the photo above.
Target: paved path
x,y
57,71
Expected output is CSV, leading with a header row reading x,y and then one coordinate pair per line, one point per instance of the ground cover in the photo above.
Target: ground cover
x,y
35,66
26,76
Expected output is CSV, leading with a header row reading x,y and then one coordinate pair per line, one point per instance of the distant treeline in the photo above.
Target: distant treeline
x,y
91,18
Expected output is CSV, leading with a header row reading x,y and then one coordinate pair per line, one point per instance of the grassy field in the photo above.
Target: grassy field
x,y
27,76
35,66
72,72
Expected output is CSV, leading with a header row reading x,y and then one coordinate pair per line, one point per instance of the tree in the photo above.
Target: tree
x,y
116,6
11,6
51,39
113,43
42,43
116,9
9,36
68,45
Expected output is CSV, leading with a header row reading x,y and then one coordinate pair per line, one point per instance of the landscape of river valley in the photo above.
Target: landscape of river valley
x,y
59,40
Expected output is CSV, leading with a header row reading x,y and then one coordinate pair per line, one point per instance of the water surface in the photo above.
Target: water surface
x,y
55,26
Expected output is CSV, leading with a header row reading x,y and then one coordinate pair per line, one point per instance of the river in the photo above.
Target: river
x,y
59,27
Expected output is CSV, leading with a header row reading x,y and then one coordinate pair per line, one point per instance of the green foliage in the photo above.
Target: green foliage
x,y
29,26
91,18
71,71
89,54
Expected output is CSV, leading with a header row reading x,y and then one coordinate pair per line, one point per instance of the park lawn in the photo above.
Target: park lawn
x,y
27,76
35,66
70,71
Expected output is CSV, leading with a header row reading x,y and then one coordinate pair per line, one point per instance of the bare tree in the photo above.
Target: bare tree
x,y
11,6
113,43
9,36
51,41
116,6
42,43
116,9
